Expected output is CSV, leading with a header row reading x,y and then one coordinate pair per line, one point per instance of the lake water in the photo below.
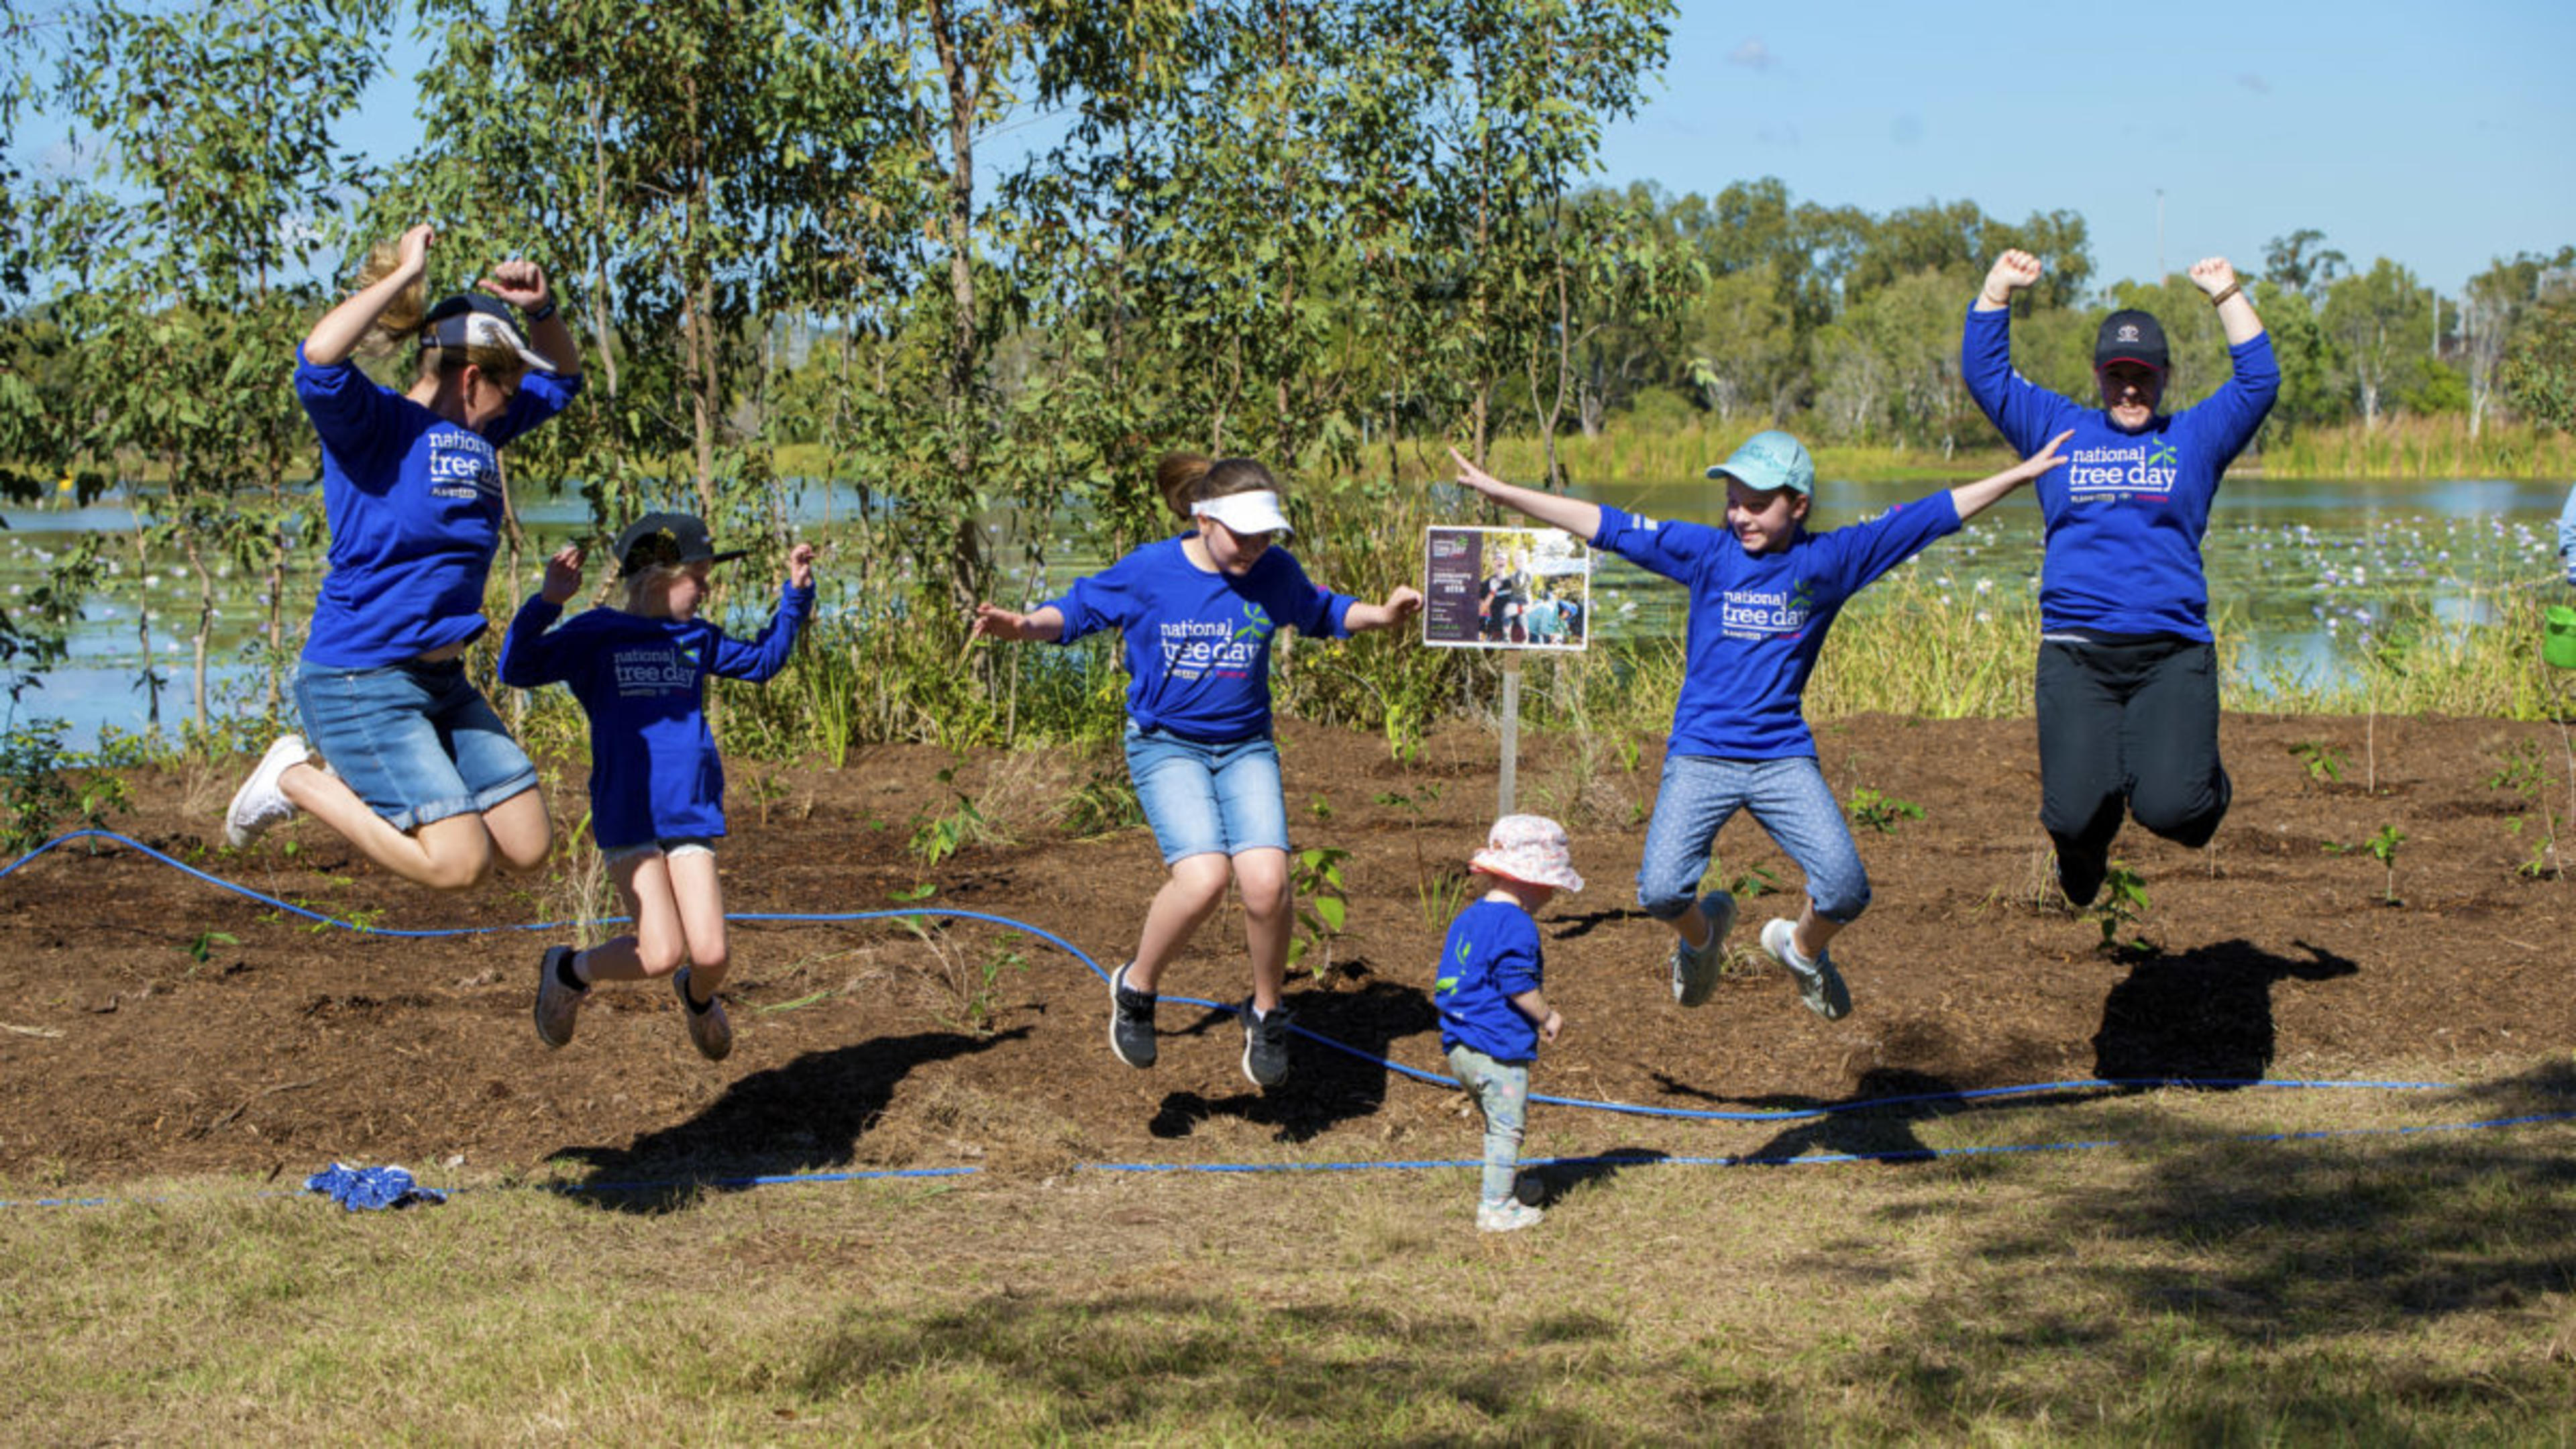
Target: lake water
x,y
2302,567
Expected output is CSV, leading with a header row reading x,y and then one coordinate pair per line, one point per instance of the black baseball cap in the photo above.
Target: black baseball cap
x,y
667,538
2130,335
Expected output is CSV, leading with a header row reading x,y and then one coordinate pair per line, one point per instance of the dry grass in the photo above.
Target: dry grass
x,y
2186,1286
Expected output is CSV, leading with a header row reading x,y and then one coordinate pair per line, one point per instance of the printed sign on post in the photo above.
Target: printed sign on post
x,y
1506,588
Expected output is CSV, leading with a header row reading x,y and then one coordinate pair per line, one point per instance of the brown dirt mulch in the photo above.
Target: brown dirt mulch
x,y
123,1055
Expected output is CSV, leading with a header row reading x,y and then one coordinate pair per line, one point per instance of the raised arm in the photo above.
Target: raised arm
x,y
2011,272
342,328
2021,410
1972,499
1575,516
523,285
2217,280
529,657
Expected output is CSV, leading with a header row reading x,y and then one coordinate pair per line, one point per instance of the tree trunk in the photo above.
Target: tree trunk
x,y
966,538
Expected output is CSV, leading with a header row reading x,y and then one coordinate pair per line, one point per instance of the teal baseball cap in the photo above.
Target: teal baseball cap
x,y
1770,460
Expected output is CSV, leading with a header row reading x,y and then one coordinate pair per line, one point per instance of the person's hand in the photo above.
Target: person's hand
x,y
992,622
2043,460
1471,476
2011,272
1548,1029
2212,275
563,575
800,566
412,251
1403,603
519,282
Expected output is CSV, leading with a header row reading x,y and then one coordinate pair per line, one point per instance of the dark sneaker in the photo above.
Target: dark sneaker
x,y
259,803
709,1029
557,1004
2080,875
1694,972
1131,1021
1265,1046
1819,984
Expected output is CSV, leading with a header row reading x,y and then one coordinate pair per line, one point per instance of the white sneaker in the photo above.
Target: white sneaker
x,y
1508,1216
259,804
1820,986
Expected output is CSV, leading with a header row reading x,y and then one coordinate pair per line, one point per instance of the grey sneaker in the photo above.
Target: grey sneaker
x,y
1819,984
1265,1046
1131,1021
1695,972
709,1030
1508,1216
557,1004
259,804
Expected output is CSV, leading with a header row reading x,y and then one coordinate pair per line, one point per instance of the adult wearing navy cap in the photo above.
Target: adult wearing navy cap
x,y
2128,670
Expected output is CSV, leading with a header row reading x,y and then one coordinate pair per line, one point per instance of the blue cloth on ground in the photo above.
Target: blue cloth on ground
x,y
371,1189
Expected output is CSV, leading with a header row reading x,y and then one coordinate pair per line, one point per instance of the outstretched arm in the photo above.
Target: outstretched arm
x,y
1575,516
2217,279
343,327
1399,606
528,656
1044,625
1972,499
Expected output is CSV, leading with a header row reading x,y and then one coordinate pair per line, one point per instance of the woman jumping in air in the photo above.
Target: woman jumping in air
x,y
400,753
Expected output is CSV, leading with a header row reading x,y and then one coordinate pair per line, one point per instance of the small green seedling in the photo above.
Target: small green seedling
x,y
1880,812
2323,762
1321,907
201,947
2119,909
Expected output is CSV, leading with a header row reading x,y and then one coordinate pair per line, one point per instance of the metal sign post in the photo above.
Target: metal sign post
x,y
1511,589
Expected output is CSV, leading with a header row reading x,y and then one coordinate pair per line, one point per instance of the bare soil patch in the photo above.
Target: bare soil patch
x,y
124,1055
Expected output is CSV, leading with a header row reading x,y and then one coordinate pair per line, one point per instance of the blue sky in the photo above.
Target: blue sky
x,y
2438,135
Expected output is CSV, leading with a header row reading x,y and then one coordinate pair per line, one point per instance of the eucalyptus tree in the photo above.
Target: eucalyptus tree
x,y
2375,319
185,269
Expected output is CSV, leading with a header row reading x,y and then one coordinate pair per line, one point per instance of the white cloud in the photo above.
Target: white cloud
x,y
1752,55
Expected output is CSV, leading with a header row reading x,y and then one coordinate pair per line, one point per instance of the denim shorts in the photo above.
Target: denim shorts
x,y
417,742
1207,799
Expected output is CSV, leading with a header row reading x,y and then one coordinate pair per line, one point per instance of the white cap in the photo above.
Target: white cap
x,y
1244,512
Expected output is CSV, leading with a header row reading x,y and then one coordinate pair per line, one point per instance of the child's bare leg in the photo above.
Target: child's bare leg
x,y
700,898
656,944
520,830
1261,876
1183,904
1813,932
449,855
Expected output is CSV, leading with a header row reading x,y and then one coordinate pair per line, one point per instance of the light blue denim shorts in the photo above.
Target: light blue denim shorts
x,y
1207,799
417,742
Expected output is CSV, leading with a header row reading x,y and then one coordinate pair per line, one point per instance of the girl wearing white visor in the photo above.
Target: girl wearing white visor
x,y
1198,614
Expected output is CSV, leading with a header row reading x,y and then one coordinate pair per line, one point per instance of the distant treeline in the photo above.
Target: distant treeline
x,y
1337,236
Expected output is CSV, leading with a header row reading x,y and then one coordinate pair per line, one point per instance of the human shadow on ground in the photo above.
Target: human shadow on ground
x,y
1545,1184
806,1116
1339,1079
1901,1098
2203,1016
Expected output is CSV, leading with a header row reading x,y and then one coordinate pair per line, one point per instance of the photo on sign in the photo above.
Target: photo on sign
x,y
1506,588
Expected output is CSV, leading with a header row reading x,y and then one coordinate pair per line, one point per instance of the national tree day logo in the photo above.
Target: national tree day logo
x,y
1258,628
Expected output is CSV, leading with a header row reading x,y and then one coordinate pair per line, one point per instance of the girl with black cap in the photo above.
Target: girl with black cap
x,y
2128,671
406,758
640,670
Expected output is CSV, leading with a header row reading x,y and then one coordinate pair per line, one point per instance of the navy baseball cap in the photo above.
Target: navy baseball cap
x,y
2130,335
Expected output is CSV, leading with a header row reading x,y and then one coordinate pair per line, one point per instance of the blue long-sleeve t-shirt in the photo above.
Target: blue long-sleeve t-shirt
x,y
1491,955
1757,620
654,774
2124,517
1197,641
414,505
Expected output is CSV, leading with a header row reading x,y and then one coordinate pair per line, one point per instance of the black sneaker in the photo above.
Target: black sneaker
x,y
1265,1046
2079,874
1131,1021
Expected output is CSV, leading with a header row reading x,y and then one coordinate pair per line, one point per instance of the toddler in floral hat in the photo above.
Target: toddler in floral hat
x,y
1492,1014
